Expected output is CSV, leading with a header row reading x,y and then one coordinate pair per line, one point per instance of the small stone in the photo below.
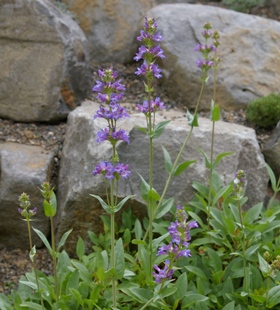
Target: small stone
x,y
28,134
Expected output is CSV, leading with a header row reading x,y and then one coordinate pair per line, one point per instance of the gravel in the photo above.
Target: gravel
x,y
15,262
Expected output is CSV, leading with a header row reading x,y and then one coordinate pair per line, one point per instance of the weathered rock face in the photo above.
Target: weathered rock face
x,y
23,169
81,153
110,26
250,53
43,59
271,151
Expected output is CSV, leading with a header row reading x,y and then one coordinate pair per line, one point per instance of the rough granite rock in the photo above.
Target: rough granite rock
x,y
250,53
44,62
23,168
81,153
271,151
110,26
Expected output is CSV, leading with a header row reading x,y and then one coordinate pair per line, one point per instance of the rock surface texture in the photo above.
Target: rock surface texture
x,y
271,151
250,53
81,153
43,59
23,168
110,26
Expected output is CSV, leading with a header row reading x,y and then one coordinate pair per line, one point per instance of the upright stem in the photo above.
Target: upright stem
x,y
176,161
33,262
211,154
54,258
245,285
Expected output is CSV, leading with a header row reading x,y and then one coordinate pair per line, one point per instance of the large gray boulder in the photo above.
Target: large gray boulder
x,y
250,53
110,26
271,151
81,153
43,58
23,169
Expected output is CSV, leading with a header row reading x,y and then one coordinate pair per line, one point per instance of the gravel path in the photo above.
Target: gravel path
x,y
15,262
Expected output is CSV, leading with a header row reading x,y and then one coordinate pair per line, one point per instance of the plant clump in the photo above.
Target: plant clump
x,y
264,111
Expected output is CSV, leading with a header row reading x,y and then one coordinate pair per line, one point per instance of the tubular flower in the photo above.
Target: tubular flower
x,y
109,171
178,247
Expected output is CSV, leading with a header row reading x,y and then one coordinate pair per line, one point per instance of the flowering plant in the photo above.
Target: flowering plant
x,y
224,257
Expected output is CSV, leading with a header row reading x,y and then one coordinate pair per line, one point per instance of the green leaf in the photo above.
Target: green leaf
x,y
271,177
153,195
219,157
251,250
63,239
164,208
77,296
264,266
182,286
80,248
191,298
207,161
121,203
229,306
182,167
192,119
143,129
73,281
119,259
253,213
214,260
158,130
167,160
138,229
215,112
47,208
5,303
141,295
31,305
44,240
221,192
197,271
273,297
32,253
103,203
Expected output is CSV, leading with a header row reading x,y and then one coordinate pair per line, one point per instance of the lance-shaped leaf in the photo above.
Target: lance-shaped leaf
x,y
215,112
192,119
219,157
103,203
63,239
121,203
119,259
182,167
167,160
158,130
164,208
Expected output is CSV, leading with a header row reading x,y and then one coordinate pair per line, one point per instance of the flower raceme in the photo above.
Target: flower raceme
x,y
110,92
24,209
178,247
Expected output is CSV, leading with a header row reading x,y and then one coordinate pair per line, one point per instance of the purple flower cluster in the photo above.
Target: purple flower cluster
x,y
178,247
111,171
208,61
155,105
112,135
149,51
110,92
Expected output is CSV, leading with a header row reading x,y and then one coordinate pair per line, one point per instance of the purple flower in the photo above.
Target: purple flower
x,y
155,71
143,69
98,87
120,135
161,275
155,105
183,253
157,51
204,64
114,111
110,171
122,170
141,52
112,135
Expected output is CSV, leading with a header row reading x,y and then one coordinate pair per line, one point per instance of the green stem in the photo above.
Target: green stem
x,y
245,285
176,161
211,153
113,257
54,258
33,262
